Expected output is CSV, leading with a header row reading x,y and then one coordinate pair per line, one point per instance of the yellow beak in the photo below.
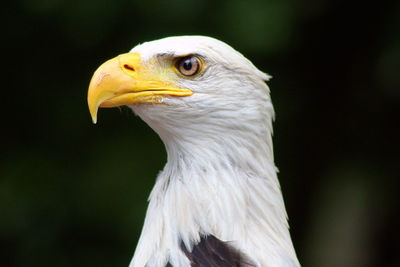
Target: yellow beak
x,y
124,80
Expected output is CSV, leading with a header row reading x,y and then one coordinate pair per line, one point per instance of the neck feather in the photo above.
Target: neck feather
x,y
225,186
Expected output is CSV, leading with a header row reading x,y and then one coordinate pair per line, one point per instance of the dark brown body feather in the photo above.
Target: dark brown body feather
x,y
212,252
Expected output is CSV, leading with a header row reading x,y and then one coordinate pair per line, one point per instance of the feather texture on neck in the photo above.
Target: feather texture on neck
x,y
222,184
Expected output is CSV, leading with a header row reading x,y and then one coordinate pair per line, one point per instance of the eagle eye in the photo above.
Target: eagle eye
x,y
189,66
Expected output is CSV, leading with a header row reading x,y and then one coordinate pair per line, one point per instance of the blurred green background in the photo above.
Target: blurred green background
x,y
74,194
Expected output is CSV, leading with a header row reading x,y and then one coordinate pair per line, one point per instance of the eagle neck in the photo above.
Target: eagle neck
x,y
225,186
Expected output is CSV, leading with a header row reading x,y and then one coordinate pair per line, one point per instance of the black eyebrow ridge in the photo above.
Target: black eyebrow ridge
x,y
173,55
166,54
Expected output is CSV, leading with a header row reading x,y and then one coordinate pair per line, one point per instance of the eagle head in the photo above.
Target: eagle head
x,y
187,86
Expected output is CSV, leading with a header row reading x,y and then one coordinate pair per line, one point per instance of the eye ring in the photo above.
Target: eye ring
x,y
189,66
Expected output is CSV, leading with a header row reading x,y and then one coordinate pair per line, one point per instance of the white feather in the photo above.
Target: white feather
x,y
220,177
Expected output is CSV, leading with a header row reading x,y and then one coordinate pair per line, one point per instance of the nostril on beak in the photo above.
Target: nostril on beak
x,y
129,67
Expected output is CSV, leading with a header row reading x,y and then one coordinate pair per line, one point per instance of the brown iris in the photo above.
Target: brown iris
x,y
188,66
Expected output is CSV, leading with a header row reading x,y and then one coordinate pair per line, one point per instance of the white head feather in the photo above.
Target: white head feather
x,y
220,177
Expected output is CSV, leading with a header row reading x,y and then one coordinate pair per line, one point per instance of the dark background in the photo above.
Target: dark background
x,y
74,194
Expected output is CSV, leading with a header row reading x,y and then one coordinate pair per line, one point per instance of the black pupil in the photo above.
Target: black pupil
x,y
187,64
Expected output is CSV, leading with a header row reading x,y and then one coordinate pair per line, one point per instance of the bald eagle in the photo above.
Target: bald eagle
x,y
217,202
